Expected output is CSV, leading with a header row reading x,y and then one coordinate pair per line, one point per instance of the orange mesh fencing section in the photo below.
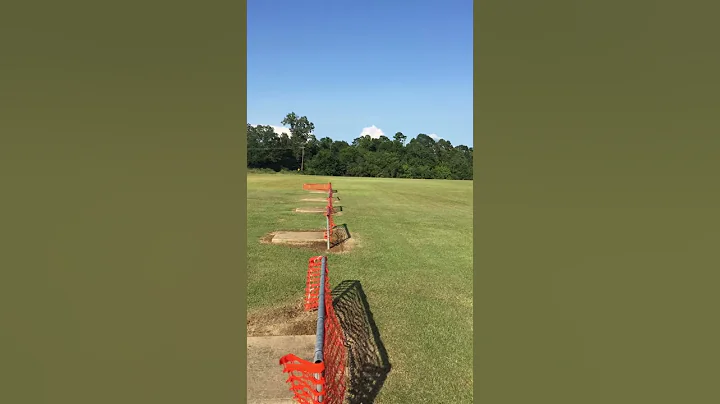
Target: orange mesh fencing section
x,y
334,352
330,194
317,187
312,285
320,382
305,379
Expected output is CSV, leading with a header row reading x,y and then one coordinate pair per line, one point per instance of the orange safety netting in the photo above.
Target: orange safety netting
x,y
312,284
330,194
335,353
317,187
305,379
319,382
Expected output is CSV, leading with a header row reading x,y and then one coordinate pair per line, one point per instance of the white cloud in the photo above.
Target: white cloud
x,y
434,136
278,129
372,131
281,129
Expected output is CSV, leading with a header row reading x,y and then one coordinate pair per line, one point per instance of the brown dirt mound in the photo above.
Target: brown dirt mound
x,y
289,319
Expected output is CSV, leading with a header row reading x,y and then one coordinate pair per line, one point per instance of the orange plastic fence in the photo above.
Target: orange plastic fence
x,y
317,187
319,382
305,379
312,284
335,353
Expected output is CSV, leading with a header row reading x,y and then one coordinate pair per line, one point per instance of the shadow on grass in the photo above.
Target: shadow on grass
x,y
368,362
337,209
340,234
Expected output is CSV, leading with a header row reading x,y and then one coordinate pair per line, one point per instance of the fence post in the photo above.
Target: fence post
x,y
327,226
320,330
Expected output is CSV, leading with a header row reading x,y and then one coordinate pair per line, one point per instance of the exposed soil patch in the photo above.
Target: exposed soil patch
x,y
314,209
340,241
322,191
288,319
339,244
266,383
272,333
337,211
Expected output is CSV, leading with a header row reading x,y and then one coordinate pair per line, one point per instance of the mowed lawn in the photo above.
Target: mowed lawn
x,y
412,254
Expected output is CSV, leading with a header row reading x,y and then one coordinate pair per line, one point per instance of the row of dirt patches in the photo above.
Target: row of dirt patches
x,y
367,361
313,240
287,319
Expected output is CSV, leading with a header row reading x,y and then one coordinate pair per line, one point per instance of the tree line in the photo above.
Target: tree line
x,y
420,157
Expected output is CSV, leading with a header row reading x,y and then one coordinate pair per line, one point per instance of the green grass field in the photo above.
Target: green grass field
x,y
412,252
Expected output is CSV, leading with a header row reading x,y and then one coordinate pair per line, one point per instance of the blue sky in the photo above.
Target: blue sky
x,y
353,64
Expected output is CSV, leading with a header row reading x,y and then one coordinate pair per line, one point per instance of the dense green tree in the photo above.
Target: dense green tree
x,y
301,130
419,157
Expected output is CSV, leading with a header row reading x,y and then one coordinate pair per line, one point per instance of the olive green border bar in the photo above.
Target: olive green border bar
x,y
122,197
241,288
596,152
